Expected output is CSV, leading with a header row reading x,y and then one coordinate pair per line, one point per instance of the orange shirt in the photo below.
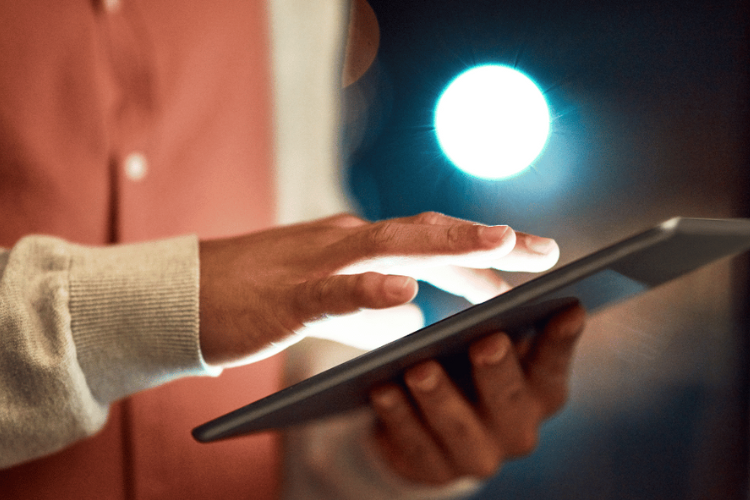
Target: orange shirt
x,y
128,120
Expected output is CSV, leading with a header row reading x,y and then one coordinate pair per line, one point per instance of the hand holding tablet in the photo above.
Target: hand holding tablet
x,y
615,273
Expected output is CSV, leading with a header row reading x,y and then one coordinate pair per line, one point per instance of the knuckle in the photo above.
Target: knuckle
x,y
483,461
455,235
458,430
555,400
296,308
319,292
429,218
347,220
364,289
525,441
514,392
310,296
395,417
414,450
381,235
488,466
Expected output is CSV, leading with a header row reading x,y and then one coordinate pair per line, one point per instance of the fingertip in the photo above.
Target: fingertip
x,y
496,236
424,377
490,350
386,399
551,252
541,253
571,321
544,246
400,289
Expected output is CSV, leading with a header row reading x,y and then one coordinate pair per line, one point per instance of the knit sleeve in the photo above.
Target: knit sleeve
x,y
81,327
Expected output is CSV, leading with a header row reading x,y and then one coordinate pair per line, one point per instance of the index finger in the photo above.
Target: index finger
x,y
531,253
422,241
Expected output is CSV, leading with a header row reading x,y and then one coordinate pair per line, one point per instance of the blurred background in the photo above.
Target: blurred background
x,y
649,120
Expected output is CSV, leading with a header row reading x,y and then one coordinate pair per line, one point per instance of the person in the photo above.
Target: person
x,y
144,146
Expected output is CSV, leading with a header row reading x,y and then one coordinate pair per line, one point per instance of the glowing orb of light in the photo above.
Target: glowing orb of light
x,y
492,121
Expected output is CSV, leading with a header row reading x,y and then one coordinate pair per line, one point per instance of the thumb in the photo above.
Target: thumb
x,y
341,294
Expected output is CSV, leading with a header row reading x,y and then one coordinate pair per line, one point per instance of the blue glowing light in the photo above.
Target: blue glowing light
x,y
492,121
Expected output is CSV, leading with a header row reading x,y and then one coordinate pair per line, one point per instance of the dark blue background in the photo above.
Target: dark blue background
x,y
650,106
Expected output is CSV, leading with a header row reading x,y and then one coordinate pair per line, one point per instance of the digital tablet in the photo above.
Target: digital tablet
x,y
605,277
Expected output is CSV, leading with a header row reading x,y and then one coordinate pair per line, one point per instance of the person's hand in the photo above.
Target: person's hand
x,y
435,435
257,292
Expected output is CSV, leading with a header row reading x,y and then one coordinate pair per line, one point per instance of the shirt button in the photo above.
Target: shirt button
x,y
111,6
136,166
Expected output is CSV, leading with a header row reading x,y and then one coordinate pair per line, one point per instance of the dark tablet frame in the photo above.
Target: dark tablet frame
x,y
603,278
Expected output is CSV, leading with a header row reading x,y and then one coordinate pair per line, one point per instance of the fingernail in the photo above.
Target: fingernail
x,y
493,234
396,285
423,378
542,245
494,350
387,399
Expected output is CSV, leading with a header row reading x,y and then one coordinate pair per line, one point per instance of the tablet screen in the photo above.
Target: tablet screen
x,y
605,277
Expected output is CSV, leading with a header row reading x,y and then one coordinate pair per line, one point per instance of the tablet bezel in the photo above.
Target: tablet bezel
x,y
645,260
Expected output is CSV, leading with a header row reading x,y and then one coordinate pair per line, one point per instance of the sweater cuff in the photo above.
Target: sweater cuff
x,y
134,315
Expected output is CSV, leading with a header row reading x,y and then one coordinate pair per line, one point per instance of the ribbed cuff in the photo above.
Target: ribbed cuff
x,y
134,315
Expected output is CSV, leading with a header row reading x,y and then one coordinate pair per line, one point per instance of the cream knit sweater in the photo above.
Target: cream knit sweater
x,y
81,327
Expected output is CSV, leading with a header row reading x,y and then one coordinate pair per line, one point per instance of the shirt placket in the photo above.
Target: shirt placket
x,y
130,54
